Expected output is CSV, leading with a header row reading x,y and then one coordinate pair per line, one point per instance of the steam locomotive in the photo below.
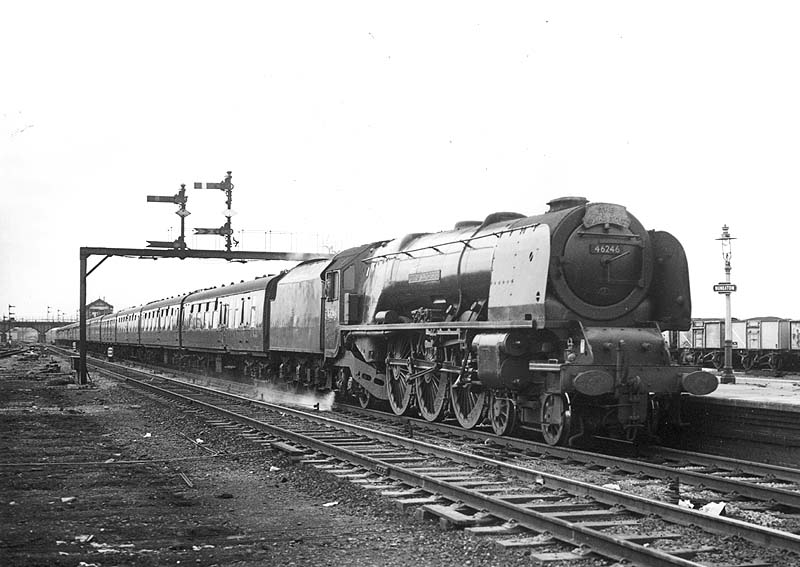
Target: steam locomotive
x,y
551,322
